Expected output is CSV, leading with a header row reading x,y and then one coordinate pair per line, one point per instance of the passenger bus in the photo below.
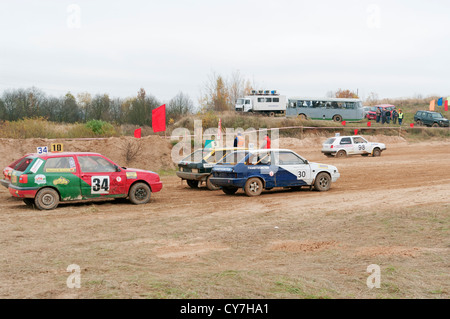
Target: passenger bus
x,y
336,109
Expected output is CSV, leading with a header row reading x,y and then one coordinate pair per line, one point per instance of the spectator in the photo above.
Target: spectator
x,y
383,116
378,113
388,116
239,140
266,143
394,116
400,117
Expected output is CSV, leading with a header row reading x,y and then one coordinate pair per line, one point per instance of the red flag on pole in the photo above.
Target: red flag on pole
x,y
343,123
411,125
159,119
369,124
446,105
356,131
137,133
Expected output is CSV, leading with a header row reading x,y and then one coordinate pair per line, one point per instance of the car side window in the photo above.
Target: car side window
x,y
358,140
60,165
259,159
288,158
346,140
95,164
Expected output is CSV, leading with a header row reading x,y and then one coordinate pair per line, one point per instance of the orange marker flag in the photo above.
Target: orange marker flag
x,y
432,104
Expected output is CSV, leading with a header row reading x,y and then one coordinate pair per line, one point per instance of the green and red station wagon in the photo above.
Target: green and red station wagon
x,y
47,179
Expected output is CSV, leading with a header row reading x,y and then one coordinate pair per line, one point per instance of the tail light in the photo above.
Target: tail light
x,y
23,179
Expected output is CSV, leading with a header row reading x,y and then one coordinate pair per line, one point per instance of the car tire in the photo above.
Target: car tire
x,y
29,202
192,183
302,117
322,182
229,190
253,187
341,154
337,118
435,125
210,185
46,199
376,152
140,193
419,123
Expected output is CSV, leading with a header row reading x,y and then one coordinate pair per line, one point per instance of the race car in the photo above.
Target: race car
x,y
196,168
256,170
342,146
47,179
7,172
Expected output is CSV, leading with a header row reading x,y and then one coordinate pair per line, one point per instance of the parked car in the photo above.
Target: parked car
x,y
429,118
47,179
256,170
7,172
196,168
372,113
342,146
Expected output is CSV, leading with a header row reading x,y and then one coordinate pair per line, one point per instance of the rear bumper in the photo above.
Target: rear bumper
x,y
228,182
193,176
22,192
156,187
4,182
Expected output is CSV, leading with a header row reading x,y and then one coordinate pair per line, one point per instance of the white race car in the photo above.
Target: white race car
x,y
342,146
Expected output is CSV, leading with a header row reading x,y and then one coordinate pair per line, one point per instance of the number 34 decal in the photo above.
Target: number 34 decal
x,y
100,185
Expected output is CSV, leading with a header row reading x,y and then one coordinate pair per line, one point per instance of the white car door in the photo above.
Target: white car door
x,y
360,145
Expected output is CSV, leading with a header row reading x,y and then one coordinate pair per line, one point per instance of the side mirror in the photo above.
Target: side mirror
x,y
117,168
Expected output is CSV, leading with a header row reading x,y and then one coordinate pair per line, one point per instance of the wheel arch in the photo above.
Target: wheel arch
x,y
315,177
263,181
52,187
140,181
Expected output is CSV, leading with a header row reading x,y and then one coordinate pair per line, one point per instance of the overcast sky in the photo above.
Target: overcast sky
x,y
393,48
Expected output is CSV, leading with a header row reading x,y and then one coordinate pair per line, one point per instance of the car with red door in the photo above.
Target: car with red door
x,y
372,112
47,179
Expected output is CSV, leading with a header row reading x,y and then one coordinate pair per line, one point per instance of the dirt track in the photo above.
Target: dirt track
x,y
393,211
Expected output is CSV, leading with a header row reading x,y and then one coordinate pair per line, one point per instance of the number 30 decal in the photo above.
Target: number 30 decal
x,y
100,185
301,174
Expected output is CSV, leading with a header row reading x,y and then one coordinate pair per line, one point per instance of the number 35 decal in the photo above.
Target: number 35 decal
x,y
100,185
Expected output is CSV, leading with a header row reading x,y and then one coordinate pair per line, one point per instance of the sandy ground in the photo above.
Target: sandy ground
x,y
392,211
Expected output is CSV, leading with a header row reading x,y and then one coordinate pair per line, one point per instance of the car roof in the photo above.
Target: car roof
x,y
384,105
62,154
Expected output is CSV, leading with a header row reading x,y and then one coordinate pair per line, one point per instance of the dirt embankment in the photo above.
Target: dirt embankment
x,y
150,152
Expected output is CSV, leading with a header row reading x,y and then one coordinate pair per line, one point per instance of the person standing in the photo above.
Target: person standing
x,y
383,116
378,113
239,140
394,116
400,117
388,116
267,142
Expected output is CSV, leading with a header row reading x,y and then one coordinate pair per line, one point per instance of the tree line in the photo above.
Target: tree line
x,y
217,94
17,104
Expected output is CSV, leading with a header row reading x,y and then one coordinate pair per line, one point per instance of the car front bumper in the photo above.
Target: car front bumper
x,y
156,187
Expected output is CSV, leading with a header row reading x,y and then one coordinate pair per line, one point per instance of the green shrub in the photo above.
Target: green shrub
x,y
101,128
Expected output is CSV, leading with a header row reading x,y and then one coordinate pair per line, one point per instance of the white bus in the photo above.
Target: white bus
x,y
336,109
265,102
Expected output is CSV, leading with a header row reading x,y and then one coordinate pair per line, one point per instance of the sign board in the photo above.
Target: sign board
x,y
57,147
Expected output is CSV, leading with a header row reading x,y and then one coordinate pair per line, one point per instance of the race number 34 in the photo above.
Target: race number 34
x,y
100,185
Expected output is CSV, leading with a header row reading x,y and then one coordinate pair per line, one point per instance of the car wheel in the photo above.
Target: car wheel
x,y
229,190
435,125
419,123
337,118
341,154
210,185
29,202
46,199
322,182
192,183
376,152
302,117
253,187
140,193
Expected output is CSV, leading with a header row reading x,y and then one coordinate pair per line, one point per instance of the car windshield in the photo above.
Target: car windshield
x,y
437,115
330,141
234,158
373,109
240,101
